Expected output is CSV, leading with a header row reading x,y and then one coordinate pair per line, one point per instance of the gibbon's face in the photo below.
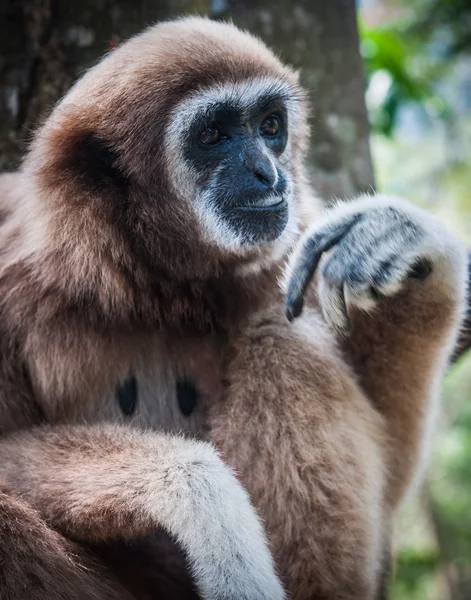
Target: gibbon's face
x,y
180,153
228,152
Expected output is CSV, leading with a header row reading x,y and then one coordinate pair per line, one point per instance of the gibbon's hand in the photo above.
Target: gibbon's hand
x,y
376,245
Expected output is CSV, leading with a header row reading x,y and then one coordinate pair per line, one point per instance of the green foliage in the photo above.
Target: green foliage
x,y
412,64
415,51
433,170
450,475
434,529
448,19
416,568
386,53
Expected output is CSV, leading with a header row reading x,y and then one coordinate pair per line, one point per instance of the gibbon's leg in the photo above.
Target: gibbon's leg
x,y
307,445
394,287
37,563
99,483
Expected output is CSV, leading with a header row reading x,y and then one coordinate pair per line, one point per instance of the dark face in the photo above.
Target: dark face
x,y
235,150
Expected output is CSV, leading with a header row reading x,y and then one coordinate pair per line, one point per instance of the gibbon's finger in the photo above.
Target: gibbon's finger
x,y
333,305
307,259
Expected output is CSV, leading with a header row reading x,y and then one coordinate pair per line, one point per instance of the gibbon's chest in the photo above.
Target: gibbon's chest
x,y
167,387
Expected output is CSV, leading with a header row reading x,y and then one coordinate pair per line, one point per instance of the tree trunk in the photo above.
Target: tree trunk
x,y
46,44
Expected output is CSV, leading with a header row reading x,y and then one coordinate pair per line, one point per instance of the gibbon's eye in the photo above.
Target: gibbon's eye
x,y
211,135
270,126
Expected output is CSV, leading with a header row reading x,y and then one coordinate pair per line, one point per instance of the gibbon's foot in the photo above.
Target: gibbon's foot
x,y
376,244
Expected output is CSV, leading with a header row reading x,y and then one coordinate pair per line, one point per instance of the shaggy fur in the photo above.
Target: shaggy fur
x,y
106,274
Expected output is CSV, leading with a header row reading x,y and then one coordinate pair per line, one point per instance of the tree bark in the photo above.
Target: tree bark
x,y
44,47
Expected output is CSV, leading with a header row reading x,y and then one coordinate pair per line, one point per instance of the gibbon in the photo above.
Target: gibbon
x,y
144,295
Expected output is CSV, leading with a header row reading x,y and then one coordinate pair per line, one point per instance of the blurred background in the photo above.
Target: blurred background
x,y
418,64
390,84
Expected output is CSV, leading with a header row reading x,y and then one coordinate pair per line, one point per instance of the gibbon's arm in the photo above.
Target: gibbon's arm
x,y
306,441
394,288
98,483
464,342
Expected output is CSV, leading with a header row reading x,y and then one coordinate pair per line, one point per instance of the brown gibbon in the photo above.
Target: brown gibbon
x,y
152,245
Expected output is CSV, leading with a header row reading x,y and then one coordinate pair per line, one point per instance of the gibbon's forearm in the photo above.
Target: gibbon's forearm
x,y
99,483
394,288
308,445
400,353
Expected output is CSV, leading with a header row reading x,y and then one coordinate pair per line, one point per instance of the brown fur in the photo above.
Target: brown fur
x,y
38,563
100,278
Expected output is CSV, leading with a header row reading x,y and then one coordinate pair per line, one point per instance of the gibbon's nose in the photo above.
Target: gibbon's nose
x,y
262,168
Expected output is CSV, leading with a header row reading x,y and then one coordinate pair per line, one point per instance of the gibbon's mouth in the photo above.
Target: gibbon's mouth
x,y
262,220
273,203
